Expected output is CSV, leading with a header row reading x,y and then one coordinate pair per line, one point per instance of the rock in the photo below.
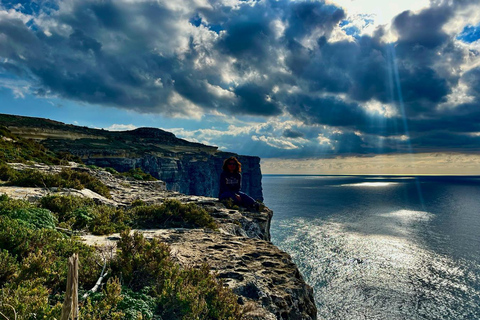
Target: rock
x,y
186,167
265,278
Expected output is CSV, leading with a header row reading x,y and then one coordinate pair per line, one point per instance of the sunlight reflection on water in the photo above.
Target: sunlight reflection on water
x,y
360,274
369,184
404,249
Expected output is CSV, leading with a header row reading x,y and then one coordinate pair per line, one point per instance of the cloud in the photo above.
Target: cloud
x,y
121,127
334,73
289,133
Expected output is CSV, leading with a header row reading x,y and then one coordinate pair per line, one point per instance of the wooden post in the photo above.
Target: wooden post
x,y
70,305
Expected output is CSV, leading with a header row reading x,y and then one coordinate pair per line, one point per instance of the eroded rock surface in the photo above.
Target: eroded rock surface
x,y
265,279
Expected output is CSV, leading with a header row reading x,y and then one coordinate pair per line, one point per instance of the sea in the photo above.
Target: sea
x,y
382,247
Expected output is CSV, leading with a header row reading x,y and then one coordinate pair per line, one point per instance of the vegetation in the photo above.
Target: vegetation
x,y
83,214
67,178
16,149
138,174
173,213
144,281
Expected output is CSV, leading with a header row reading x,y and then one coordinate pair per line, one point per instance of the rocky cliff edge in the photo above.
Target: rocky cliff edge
x,y
265,279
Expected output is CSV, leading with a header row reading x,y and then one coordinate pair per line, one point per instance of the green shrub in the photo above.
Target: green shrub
x,y
79,180
111,170
8,204
8,267
138,174
195,294
62,205
35,217
137,305
43,253
108,220
7,173
81,218
141,262
137,203
174,213
27,300
104,305
190,293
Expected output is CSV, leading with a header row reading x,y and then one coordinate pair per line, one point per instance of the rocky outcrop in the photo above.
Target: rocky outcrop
x,y
187,167
192,174
264,278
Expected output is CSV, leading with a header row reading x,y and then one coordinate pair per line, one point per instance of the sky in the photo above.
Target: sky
x,y
317,87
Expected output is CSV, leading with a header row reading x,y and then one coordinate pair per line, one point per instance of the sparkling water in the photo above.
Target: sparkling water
x,y
382,247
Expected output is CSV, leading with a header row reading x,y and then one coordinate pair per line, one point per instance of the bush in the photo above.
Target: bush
x,y
8,267
137,305
137,203
195,294
191,293
104,306
43,253
29,300
142,262
35,217
8,204
63,205
108,220
80,213
7,173
111,170
79,180
138,174
174,213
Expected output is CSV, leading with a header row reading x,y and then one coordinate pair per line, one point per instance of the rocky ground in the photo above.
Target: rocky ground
x,y
265,279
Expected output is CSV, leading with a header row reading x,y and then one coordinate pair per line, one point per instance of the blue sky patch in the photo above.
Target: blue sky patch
x,y
470,33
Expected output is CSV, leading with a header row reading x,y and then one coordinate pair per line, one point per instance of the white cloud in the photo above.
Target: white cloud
x,y
276,142
382,11
121,127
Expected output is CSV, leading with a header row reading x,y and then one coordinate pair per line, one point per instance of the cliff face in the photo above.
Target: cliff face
x,y
264,278
187,167
192,174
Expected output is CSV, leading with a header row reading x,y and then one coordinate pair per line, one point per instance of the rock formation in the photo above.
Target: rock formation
x,y
187,167
265,278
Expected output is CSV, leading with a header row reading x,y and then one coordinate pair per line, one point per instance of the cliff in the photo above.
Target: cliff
x,y
265,279
187,167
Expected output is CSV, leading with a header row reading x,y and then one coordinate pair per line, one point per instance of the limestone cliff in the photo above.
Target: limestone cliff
x,y
265,278
187,167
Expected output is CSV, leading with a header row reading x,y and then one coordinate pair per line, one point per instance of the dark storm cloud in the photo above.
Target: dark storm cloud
x,y
263,58
289,133
304,18
331,111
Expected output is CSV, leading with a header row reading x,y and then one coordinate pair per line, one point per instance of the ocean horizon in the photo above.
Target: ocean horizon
x,y
382,247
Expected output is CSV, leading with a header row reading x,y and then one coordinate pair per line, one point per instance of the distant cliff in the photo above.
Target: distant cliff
x,y
187,167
